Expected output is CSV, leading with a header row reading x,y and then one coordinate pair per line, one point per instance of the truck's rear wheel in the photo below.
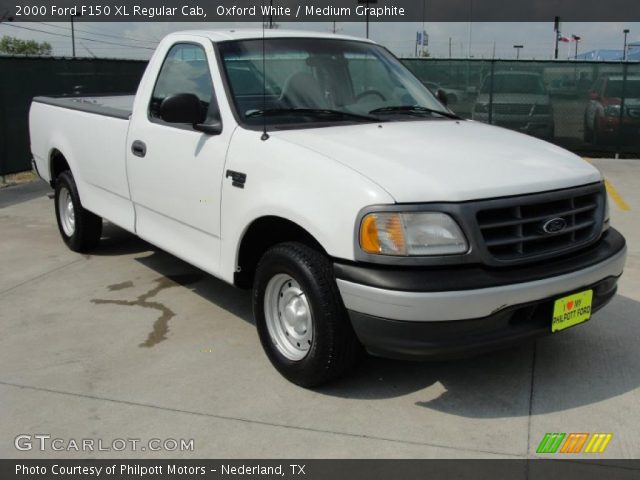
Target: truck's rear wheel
x,y
303,325
80,229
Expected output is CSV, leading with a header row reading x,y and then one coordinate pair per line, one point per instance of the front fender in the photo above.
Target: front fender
x,y
285,180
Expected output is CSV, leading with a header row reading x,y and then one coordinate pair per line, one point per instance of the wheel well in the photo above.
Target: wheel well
x,y
263,234
57,165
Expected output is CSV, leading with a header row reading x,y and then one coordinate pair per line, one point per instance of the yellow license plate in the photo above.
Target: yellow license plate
x,y
571,310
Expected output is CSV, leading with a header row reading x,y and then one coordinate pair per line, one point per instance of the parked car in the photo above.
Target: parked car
x,y
562,88
519,102
602,118
359,210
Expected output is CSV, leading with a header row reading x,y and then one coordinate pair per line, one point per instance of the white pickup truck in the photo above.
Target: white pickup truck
x,y
317,170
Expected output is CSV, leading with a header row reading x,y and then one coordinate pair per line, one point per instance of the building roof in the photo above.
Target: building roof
x,y
611,55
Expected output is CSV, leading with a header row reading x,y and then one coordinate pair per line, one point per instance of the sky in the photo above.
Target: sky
x,y
479,40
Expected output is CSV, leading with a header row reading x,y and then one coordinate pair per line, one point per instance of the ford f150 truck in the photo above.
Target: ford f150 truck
x,y
318,171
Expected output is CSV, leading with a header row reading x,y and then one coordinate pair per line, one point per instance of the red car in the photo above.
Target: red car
x,y
603,116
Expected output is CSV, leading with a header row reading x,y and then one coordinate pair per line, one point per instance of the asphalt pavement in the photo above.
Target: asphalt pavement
x,y
132,343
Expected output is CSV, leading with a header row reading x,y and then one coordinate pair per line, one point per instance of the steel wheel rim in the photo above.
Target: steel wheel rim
x,y
66,212
288,316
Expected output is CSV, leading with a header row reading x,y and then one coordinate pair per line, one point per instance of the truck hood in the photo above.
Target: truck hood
x,y
446,160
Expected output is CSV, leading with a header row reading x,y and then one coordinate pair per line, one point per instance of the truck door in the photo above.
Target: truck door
x,y
175,172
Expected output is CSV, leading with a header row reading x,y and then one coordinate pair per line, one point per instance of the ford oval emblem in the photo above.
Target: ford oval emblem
x,y
554,225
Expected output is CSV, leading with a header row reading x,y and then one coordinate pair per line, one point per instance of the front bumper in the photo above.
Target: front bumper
x,y
609,128
466,317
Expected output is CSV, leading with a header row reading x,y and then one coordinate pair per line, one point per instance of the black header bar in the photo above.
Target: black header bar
x,y
282,11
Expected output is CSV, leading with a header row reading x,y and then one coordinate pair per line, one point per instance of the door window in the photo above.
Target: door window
x,y
185,70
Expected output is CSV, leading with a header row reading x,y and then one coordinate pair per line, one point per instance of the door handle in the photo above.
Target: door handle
x,y
139,148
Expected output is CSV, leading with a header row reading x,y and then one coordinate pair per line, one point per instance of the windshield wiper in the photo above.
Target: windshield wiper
x,y
323,112
413,110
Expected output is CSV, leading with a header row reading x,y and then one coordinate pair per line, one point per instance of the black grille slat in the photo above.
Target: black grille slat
x,y
514,232
538,218
534,238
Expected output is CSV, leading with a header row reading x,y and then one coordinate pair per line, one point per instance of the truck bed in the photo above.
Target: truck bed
x,y
118,106
97,127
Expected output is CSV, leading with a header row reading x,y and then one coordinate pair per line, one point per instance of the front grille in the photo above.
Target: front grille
x,y
634,112
516,231
512,108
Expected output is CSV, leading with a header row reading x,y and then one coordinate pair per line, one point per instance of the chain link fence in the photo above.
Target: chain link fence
x,y
22,78
591,108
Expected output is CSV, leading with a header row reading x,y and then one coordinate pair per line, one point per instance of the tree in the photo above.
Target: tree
x,y
15,46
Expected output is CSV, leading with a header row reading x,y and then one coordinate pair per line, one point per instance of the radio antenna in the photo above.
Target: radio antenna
x,y
265,135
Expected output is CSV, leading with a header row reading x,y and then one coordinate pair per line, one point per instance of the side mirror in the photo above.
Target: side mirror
x,y
442,96
187,108
182,108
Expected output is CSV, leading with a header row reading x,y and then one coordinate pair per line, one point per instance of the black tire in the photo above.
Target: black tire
x,y
588,134
87,226
335,348
597,139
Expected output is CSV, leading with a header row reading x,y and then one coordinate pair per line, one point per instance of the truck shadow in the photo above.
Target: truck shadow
x,y
576,368
579,367
116,242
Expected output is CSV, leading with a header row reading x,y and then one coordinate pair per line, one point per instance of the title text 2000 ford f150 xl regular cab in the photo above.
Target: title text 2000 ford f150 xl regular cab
x,y
320,172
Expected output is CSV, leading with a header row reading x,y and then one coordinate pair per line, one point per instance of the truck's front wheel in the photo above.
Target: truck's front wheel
x,y
303,325
80,229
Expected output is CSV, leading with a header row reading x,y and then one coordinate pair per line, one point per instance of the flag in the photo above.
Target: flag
x,y
564,39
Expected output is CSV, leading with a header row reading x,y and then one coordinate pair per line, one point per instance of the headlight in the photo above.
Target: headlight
x,y
411,234
612,111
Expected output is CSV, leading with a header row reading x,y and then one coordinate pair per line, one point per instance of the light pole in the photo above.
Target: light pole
x,y
518,47
624,52
556,29
73,39
576,39
367,3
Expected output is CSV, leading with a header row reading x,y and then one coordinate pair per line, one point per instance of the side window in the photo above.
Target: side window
x,y
185,70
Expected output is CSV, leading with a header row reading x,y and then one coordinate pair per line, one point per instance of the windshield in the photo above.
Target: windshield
x,y
514,83
615,88
311,81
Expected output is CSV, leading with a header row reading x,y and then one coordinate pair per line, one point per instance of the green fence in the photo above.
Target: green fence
x,y
591,108
22,78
